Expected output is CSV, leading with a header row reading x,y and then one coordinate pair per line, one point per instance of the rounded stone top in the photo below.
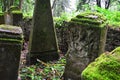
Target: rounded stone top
x,y
10,29
91,19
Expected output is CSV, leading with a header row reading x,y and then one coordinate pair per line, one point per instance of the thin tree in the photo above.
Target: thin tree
x,y
107,4
98,3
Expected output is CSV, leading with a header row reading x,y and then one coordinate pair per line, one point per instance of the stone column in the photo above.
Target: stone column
x,y
10,49
43,43
87,37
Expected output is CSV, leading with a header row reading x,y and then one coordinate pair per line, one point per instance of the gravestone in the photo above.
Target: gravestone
x,y
17,16
87,37
2,18
13,16
43,45
11,39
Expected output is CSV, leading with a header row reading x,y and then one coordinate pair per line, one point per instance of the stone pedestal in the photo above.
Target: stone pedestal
x,y
43,44
87,37
10,50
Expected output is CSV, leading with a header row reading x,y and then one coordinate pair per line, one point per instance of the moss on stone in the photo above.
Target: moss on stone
x,y
105,67
14,8
10,33
91,19
16,12
10,40
9,28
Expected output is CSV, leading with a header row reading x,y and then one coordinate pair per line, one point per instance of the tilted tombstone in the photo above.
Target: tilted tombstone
x,y
43,45
11,38
87,37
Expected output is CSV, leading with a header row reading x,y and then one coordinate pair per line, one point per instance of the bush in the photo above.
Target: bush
x,y
113,17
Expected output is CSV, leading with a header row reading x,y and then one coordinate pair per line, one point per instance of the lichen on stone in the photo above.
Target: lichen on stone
x,y
105,67
91,19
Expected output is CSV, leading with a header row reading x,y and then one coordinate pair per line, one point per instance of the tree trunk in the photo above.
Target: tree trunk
x,y
107,4
98,3
20,4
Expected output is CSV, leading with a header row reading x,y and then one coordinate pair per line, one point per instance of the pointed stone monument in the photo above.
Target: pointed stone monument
x,y
43,45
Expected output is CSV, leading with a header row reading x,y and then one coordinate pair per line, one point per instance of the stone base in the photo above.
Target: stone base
x,y
33,57
9,60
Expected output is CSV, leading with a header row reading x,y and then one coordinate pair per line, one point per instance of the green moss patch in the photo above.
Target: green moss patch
x,y
89,19
9,28
6,40
105,67
16,12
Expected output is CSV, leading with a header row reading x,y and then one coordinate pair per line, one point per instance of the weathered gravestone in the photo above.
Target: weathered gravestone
x,y
87,36
17,16
2,18
43,44
13,16
10,49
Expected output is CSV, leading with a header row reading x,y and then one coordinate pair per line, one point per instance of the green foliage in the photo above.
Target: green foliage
x,y
28,8
65,17
105,67
49,71
113,17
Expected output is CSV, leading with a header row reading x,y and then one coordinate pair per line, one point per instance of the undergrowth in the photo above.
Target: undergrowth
x,y
44,71
113,17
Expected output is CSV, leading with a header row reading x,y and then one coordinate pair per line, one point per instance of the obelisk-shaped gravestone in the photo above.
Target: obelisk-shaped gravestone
x,y
43,44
